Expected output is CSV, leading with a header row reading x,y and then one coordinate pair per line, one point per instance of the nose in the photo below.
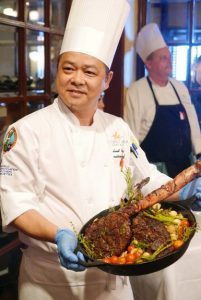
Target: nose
x,y
77,78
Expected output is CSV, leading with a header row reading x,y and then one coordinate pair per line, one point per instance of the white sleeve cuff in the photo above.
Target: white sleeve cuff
x,y
13,204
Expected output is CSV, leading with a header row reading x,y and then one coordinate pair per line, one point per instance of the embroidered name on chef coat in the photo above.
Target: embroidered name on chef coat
x,y
7,171
118,148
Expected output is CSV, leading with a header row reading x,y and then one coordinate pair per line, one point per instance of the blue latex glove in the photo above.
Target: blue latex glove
x,y
193,188
66,242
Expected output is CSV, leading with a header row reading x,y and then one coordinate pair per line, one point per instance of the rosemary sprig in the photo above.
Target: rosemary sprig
x,y
188,232
133,192
88,246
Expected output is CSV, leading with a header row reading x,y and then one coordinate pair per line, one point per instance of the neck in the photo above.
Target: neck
x,y
159,80
85,119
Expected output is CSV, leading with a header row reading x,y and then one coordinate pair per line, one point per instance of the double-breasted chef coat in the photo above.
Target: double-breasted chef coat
x,y
68,173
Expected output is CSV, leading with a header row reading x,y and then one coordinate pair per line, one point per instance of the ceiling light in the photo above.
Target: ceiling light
x,y
9,11
33,15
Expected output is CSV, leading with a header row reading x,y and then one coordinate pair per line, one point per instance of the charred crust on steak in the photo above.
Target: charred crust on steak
x,y
110,235
149,231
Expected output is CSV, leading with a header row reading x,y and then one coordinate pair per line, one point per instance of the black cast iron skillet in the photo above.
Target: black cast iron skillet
x,y
149,266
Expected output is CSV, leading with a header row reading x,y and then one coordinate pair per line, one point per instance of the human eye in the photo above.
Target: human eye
x,y
68,69
165,58
90,72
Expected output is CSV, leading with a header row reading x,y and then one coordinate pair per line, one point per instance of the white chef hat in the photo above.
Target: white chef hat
x,y
94,27
148,40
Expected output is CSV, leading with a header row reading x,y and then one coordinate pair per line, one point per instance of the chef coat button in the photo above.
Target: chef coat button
x,y
89,200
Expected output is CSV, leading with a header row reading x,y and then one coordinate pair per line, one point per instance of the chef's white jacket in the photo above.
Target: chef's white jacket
x,y
68,172
140,108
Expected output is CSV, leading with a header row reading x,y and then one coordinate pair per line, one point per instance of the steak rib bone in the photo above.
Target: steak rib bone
x,y
168,189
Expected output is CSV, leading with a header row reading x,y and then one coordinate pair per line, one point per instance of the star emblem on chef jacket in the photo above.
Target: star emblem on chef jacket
x,y
116,136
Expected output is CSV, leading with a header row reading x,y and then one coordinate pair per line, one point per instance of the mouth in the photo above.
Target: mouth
x,y
76,92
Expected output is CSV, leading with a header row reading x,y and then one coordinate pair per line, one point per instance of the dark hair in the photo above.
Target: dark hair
x,y
107,70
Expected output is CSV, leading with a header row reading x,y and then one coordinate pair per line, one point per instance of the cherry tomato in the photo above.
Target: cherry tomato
x,y
131,248
131,258
107,260
184,223
114,259
177,244
122,260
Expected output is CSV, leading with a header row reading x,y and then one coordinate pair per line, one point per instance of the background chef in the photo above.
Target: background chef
x,y
63,164
158,108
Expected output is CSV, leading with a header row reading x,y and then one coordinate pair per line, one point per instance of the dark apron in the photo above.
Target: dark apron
x,y
169,138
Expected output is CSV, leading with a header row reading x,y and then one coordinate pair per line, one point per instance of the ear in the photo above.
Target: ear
x,y
108,79
147,64
194,67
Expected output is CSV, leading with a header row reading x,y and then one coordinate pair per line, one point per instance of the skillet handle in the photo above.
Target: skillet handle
x,y
188,202
90,264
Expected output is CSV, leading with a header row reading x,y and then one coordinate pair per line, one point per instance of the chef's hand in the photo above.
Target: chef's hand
x,y
193,188
66,242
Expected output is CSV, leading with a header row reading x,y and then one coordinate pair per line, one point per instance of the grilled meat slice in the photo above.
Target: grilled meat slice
x,y
149,231
109,235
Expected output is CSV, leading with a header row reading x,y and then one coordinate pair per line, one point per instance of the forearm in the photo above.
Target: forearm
x,y
174,197
33,224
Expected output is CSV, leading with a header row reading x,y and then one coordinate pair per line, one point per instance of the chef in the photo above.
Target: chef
x,y
159,110
63,164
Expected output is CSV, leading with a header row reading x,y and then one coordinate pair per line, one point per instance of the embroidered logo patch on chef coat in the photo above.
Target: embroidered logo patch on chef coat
x,y
10,140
